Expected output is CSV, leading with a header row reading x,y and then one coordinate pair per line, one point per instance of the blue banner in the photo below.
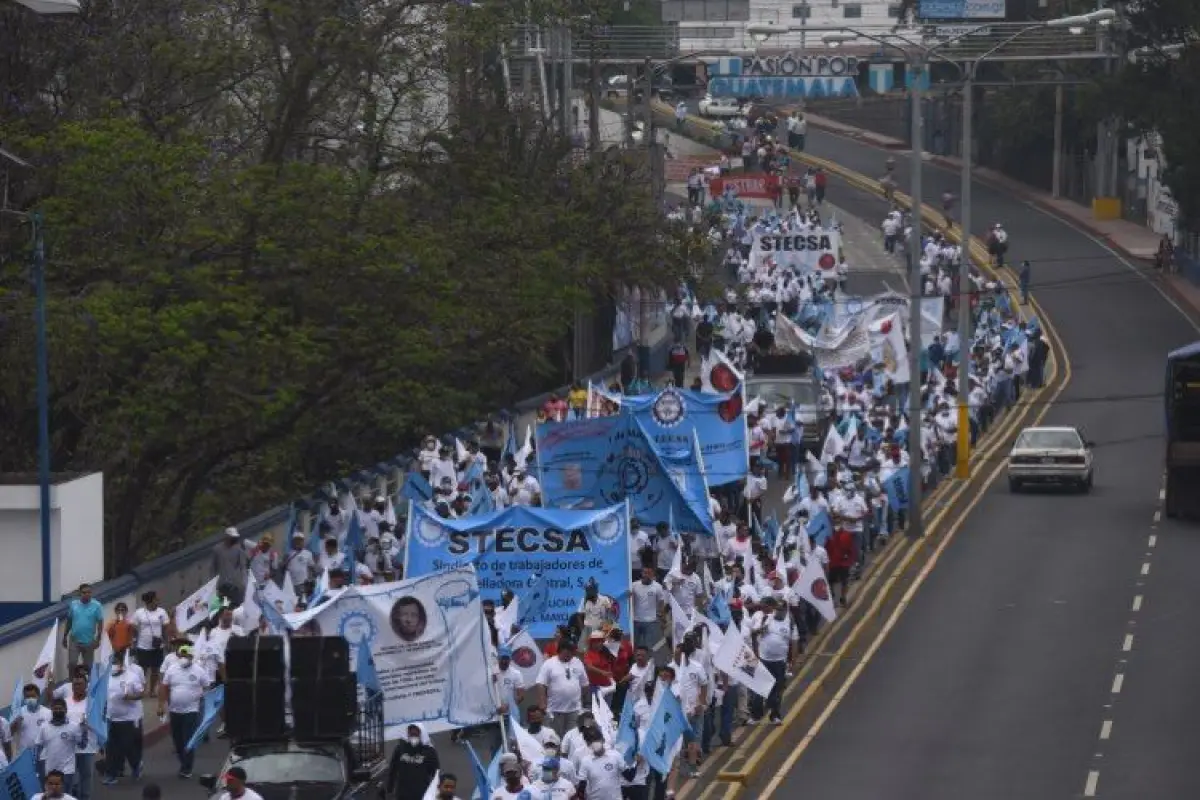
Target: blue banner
x,y
522,546
19,779
897,489
599,462
673,417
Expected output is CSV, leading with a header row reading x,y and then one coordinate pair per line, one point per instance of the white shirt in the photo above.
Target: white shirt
x,y
508,681
56,746
564,684
690,679
685,588
648,599
775,636
31,723
185,686
77,715
854,509
218,640
300,565
40,796
505,794
247,794
602,774
131,681
149,626
561,789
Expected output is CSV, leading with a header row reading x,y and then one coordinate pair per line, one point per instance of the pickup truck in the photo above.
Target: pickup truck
x,y
814,407
293,770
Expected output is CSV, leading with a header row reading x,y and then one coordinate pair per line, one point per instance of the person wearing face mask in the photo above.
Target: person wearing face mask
x,y
574,743
598,662
236,788
413,765
57,742
180,695
600,770
851,514
740,545
126,687
692,685
774,638
510,774
54,787
620,650
75,694
551,784
566,769
598,609
535,723
29,719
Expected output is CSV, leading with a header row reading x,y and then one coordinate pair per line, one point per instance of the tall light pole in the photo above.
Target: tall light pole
x,y
43,7
1074,24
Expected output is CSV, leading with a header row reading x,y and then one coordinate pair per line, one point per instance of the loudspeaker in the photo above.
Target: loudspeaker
x,y
318,658
250,657
324,709
254,709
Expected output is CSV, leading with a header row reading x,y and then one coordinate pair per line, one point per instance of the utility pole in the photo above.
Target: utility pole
x,y
594,102
962,466
914,527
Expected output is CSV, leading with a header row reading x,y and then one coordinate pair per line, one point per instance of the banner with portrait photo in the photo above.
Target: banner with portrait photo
x,y
523,547
429,644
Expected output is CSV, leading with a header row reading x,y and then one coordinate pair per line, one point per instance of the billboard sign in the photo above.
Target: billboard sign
x,y
785,76
962,9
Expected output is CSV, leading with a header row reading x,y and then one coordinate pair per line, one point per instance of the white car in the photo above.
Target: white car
x,y
1050,455
720,107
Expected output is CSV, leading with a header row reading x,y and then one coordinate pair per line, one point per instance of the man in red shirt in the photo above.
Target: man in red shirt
x,y
598,661
843,555
621,650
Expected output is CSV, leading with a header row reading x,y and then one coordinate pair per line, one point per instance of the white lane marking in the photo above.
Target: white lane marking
x,y
1162,494
1127,645
1157,517
1089,787
1153,540
1106,729
1118,682
1137,603
1146,568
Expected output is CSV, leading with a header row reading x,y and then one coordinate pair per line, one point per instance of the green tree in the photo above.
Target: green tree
x,y
287,239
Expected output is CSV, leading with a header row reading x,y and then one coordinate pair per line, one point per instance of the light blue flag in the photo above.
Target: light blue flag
x,y
820,527
416,488
897,489
718,609
20,778
314,534
97,702
482,784
214,699
510,444
364,668
354,544
801,483
271,614
535,599
474,473
320,588
493,774
668,725
626,740
18,699
481,499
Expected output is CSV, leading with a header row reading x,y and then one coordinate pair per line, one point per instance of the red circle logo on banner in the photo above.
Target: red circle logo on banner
x,y
820,589
730,409
722,378
826,261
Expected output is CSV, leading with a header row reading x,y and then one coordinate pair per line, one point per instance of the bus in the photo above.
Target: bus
x,y
1182,399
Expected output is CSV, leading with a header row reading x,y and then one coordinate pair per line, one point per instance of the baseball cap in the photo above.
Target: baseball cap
x,y
550,763
232,533
509,760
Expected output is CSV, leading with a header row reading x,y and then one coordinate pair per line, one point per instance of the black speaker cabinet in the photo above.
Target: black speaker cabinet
x,y
320,657
250,657
254,708
324,709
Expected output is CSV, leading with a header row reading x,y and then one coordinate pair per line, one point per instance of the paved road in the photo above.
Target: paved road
x,y
998,679
863,248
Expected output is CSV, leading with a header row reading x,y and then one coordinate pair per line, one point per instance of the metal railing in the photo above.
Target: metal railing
x,y
603,43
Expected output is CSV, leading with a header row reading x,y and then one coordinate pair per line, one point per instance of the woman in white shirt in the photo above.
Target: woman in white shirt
x,y
152,626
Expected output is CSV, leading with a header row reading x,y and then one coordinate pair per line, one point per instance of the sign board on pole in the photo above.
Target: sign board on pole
x,y
929,10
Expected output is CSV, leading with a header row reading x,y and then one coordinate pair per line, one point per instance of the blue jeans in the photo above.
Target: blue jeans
x,y
182,728
85,765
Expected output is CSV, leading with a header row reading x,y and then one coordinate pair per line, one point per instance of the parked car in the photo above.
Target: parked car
x,y
720,107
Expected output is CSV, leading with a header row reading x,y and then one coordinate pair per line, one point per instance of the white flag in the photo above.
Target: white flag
x,y
814,589
196,607
506,620
681,621
44,666
526,656
460,452
106,649
833,447
431,792
522,455
604,719
736,659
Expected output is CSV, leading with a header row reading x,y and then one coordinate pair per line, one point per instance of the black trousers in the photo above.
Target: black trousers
x,y
124,746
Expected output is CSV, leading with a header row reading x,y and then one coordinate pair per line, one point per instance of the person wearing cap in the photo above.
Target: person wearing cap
x,y
509,681
510,774
562,682
774,638
300,566
550,782
179,697
264,561
230,564
236,788
413,765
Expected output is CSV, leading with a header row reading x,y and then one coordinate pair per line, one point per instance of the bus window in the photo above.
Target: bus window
x,y
1185,403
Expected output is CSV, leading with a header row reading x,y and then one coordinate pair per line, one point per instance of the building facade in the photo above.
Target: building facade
x,y
721,24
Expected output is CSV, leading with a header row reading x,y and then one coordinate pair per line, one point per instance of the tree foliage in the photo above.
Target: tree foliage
x,y
284,239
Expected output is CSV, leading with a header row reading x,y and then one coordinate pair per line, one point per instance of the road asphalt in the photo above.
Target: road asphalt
x,y
863,247
998,679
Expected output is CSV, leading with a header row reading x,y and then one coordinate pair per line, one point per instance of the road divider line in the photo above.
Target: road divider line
x,y
1137,602
1118,682
1146,568
793,757
1127,645
1106,730
1089,786
1153,541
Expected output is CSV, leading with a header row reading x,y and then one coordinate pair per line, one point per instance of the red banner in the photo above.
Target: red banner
x,y
762,187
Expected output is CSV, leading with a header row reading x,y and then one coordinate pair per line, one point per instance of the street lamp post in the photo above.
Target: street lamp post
x,y
44,8
918,57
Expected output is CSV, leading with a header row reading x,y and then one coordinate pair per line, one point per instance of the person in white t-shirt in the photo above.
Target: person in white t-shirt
x,y
600,771
29,720
54,787
57,742
126,687
512,781
562,682
648,599
181,695
75,695
551,784
236,788
150,622
774,637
